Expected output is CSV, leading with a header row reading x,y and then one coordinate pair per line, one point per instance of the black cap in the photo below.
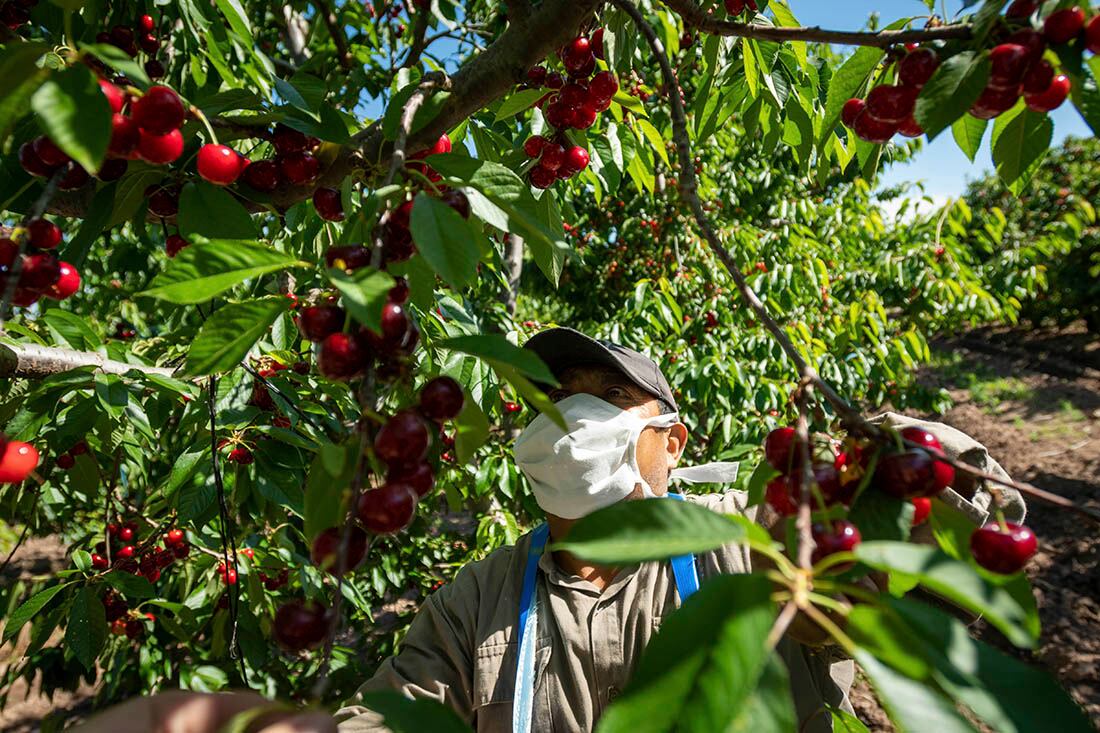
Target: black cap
x,y
562,348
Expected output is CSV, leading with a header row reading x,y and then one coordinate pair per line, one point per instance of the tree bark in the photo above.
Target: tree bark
x,y
32,361
513,268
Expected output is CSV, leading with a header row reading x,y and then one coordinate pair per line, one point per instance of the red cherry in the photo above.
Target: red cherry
x,y
40,271
536,75
573,94
1038,78
399,293
146,23
420,476
922,509
1052,98
74,179
554,80
918,67
891,104
553,155
287,140
118,627
387,509
326,549
154,69
318,322
840,536
994,101
852,110
1031,40
1092,35
99,562
395,326
911,128
112,169
149,43
48,152
542,177
779,449
218,164
44,234
342,357
263,175
1062,26
735,7
912,473
125,553
780,495
68,282
31,163
173,245
1021,9
300,168
181,550
349,257
458,201
1003,550
441,399
328,204
1008,63
533,146
164,201
79,448
873,130
559,115
576,158
160,149
115,98
403,439
173,536
240,455
512,407
300,625
596,42
584,116
603,86
126,534
442,145
65,461
159,111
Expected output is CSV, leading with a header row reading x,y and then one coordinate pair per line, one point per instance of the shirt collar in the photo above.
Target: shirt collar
x,y
559,577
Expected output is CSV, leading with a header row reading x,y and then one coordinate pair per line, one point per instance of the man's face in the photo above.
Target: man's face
x,y
658,449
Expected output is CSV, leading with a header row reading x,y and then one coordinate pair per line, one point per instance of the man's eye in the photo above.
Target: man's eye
x,y
617,393
556,395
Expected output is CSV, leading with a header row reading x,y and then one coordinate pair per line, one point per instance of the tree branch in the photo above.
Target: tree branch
x,y
336,31
695,16
518,10
420,42
32,361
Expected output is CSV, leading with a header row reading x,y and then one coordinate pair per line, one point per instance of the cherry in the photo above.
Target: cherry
x,y
154,69
159,111
349,257
542,177
181,550
1062,26
164,201
300,625
912,473
994,101
173,244
780,495
125,553
512,407
1031,40
240,455
1038,78
287,140
852,110
442,145
779,449
403,439
1004,550
870,129
840,536
300,168
573,94
536,75
1021,9
118,627
441,399
160,149
342,357
328,204
318,322
126,534
596,42
173,537
48,152
40,271
387,509
263,175
559,115
533,146
395,326
326,549
458,201
65,461
1092,35
74,179
43,234
99,562
1052,98
218,164
553,155
149,43
1008,63
603,86
735,7
115,98
399,293
31,163
112,169
554,80
584,116
146,23
911,128
918,67
891,104
922,509
420,476
228,575
68,282
576,158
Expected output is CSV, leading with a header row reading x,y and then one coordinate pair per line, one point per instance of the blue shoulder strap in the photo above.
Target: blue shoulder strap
x,y
683,569
526,631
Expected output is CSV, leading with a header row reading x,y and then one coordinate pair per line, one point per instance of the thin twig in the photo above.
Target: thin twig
x,y
18,543
782,623
804,523
695,16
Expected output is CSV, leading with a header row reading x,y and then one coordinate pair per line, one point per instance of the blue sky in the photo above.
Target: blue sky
x,y
941,166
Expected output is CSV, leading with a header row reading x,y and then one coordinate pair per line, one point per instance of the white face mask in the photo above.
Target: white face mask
x,y
594,462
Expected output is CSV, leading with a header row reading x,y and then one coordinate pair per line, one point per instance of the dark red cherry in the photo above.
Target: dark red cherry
x,y
1004,550
403,440
387,509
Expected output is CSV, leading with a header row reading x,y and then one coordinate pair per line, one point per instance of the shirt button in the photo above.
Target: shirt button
x,y
612,693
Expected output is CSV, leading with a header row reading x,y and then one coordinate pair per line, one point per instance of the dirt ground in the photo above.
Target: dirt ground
x,y
1033,398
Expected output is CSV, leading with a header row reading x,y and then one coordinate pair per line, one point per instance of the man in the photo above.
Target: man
x,y
585,626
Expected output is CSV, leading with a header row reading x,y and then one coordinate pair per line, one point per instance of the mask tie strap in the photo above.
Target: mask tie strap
x,y
719,472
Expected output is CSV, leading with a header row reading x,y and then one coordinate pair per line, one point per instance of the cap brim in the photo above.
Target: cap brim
x,y
562,348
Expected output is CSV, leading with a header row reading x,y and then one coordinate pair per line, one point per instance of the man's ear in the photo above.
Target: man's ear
x,y
677,440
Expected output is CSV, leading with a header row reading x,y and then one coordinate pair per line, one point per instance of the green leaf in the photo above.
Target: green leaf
x,y
20,76
494,347
913,706
75,114
951,91
330,475
880,516
881,631
770,709
968,132
956,581
211,211
227,336
120,61
183,468
30,607
518,102
1019,144
364,294
195,499
529,391
844,722
238,18
86,631
847,83
75,330
649,529
402,715
208,268
444,240
471,430
701,669
132,586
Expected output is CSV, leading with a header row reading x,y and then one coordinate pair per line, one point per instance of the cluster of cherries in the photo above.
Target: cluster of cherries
x,y
41,273
17,460
736,7
402,444
912,470
574,104
1017,68
123,620
129,39
67,460
145,560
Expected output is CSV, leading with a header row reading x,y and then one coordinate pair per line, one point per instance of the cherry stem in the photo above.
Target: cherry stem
x,y
197,113
837,558
782,623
